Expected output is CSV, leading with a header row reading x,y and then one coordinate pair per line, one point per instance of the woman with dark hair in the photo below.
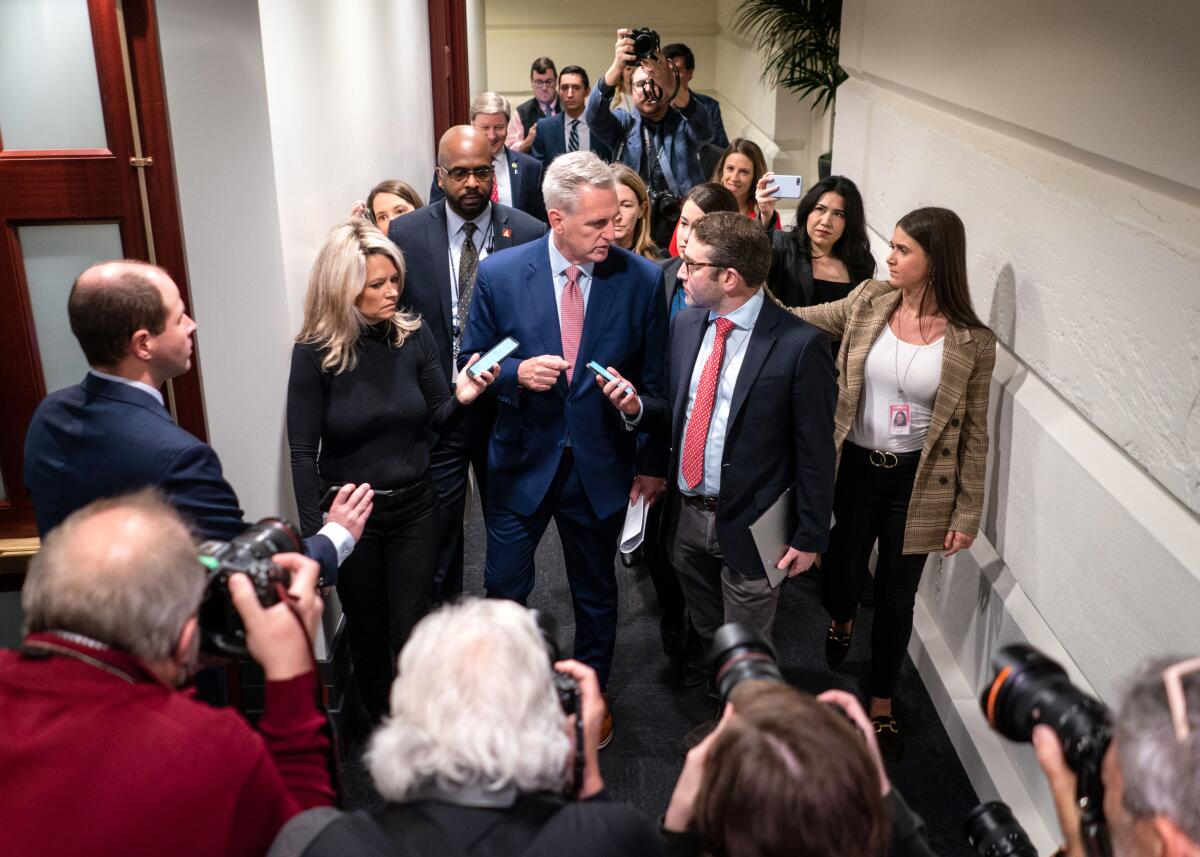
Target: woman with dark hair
x,y
739,172
827,252
389,199
914,367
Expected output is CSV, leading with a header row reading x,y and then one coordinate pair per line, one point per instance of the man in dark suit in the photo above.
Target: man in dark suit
x,y
558,448
112,434
438,283
752,398
518,182
567,131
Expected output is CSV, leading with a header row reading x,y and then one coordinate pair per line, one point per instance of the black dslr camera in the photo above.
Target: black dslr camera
x,y
646,44
665,207
250,554
565,686
1030,689
993,831
739,653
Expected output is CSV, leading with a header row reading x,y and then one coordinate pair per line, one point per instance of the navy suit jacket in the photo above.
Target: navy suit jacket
x,y
421,237
551,141
525,179
779,434
625,326
102,438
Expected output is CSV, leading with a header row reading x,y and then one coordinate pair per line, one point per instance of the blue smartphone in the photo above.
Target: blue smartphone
x,y
494,355
606,375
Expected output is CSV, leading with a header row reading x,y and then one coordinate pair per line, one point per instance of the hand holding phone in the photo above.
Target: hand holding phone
x,y
606,375
790,187
494,355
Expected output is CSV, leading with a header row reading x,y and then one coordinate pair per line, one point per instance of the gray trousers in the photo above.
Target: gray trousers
x,y
715,594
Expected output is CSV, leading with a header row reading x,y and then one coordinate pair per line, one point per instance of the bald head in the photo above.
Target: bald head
x,y
122,571
465,170
463,140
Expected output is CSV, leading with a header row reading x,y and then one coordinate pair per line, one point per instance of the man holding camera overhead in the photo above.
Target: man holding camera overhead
x,y
661,138
102,755
112,433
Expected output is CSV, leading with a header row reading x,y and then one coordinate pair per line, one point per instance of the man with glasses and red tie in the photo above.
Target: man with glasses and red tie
x,y
559,449
751,398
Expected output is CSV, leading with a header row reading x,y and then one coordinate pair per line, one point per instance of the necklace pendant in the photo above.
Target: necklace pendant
x,y
900,392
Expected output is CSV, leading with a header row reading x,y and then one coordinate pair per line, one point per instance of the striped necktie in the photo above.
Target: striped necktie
x,y
573,142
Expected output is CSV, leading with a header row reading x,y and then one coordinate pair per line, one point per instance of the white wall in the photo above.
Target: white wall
x,y
282,114
1065,138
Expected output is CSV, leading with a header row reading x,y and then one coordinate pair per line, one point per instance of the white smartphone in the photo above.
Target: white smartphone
x,y
494,355
790,187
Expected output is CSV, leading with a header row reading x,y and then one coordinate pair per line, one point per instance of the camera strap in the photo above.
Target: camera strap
x,y
657,165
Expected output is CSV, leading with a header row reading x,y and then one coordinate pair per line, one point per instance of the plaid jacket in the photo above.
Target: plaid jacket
x,y
948,491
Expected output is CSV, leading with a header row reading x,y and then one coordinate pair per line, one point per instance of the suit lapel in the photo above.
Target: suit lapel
x,y
958,358
539,282
439,253
683,364
502,237
762,340
601,297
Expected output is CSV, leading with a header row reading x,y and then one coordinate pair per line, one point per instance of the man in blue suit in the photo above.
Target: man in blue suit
x,y
567,130
559,448
112,433
438,284
518,181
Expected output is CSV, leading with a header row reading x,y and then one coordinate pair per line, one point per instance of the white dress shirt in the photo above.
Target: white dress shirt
x,y
503,178
585,134
744,319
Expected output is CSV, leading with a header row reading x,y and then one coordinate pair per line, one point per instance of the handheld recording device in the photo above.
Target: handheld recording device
x,y
606,375
494,355
790,187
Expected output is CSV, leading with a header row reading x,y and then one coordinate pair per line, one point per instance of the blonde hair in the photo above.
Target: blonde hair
x,y
642,245
338,276
489,102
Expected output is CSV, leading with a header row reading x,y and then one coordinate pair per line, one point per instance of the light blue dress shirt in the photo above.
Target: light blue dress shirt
x,y
558,268
744,319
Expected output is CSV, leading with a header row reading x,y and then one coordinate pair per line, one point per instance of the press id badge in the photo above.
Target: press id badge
x,y
899,422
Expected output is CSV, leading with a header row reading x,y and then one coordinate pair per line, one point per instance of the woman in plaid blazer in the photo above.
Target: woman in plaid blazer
x,y
914,369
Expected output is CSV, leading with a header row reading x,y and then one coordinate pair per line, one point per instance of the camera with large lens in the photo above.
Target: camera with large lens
x,y
249,553
646,43
1029,689
739,653
565,686
993,831
665,207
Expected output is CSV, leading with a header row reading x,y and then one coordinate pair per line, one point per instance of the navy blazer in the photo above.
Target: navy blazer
x,y
779,434
421,237
625,327
551,141
525,179
102,438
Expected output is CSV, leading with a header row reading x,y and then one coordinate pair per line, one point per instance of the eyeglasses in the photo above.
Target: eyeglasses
x,y
690,265
461,174
544,84
1176,700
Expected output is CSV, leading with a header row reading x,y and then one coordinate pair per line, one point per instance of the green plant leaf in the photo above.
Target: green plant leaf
x,y
799,43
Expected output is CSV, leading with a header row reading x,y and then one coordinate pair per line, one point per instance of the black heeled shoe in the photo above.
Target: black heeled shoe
x,y
837,645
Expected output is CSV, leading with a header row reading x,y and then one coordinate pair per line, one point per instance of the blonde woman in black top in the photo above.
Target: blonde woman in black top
x,y
365,386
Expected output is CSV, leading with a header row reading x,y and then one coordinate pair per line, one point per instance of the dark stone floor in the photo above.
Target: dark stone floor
x,y
645,757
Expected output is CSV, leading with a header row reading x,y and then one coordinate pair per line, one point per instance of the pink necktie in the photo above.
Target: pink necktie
x,y
706,393
571,319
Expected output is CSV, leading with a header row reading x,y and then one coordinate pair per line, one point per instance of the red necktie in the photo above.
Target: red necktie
x,y
495,189
706,393
571,319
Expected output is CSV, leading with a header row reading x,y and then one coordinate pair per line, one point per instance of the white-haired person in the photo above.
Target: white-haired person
x,y
518,177
366,385
477,756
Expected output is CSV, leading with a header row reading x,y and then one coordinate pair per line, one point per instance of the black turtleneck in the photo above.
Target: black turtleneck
x,y
369,423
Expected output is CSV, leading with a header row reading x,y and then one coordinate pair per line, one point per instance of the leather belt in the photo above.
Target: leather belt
x,y
709,504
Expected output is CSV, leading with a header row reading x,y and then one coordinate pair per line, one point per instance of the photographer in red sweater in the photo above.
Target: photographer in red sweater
x,y
102,755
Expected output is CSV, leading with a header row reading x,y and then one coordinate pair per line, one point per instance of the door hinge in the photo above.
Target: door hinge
x,y
141,163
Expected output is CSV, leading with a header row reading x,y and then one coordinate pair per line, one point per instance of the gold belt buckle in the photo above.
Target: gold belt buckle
x,y
883,458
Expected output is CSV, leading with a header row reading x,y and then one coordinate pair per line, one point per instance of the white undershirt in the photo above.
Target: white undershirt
x,y
892,363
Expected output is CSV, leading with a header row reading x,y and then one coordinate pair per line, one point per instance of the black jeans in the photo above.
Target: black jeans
x,y
386,585
869,503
